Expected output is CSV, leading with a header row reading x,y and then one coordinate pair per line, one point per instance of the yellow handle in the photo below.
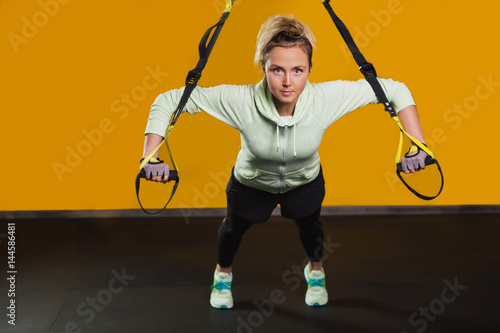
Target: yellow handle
x,y
415,141
150,155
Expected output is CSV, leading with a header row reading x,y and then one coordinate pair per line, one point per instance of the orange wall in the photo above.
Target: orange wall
x,y
78,78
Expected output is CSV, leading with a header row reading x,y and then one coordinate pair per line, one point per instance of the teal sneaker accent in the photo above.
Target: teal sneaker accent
x,y
316,283
221,285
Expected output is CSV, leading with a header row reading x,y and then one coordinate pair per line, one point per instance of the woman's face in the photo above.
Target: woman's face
x,y
286,71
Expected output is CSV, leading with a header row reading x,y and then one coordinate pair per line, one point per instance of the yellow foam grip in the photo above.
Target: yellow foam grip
x,y
413,149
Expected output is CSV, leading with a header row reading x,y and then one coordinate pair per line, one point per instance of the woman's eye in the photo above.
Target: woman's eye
x,y
298,71
277,71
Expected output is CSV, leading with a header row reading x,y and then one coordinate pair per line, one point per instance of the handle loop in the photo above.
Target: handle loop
x,y
428,161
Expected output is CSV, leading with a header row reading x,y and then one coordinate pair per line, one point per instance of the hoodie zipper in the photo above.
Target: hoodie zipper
x,y
283,161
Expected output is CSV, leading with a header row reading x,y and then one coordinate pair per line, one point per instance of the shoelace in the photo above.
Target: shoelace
x,y
219,285
316,282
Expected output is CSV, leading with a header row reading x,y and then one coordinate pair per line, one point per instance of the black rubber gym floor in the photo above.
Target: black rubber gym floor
x,y
400,274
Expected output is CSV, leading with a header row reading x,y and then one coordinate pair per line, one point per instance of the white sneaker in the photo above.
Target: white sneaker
x,y
316,294
221,296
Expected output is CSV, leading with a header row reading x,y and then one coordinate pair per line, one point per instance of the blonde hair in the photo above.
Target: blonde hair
x,y
285,31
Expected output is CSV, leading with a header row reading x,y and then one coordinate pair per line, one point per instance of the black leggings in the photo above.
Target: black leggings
x,y
246,206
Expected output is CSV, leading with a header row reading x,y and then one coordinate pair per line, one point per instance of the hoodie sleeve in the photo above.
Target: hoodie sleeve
x,y
228,103
342,97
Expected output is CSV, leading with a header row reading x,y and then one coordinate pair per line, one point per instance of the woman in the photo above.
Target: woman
x,y
281,120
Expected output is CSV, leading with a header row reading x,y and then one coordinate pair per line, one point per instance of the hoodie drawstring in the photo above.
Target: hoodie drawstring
x,y
294,151
277,138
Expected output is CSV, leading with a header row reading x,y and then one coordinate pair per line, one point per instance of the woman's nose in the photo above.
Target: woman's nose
x,y
287,81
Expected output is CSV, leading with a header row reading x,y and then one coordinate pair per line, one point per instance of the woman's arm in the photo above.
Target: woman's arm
x,y
341,97
412,161
221,102
411,122
151,141
225,102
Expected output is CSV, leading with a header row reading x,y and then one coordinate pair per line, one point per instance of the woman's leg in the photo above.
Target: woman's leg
x,y
231,232
311,235
256,206
245,206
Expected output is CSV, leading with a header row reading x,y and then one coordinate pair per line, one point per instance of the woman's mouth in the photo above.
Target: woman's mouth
x,y
286,92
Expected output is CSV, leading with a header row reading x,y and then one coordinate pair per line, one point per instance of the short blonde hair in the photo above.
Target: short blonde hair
x,y
285,31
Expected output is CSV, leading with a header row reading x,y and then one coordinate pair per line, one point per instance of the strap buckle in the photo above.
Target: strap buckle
x,y
367,69
193,77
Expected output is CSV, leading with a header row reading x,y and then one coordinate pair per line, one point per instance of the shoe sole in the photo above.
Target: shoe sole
x,y
317,304
224,306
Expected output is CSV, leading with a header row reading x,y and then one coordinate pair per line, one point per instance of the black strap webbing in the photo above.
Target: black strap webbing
x,y
204,49
365,67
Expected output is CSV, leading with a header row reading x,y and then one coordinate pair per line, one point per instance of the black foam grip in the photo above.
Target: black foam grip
x,y
172,174
428,161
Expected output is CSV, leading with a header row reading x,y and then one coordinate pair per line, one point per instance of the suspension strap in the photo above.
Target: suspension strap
x,y
370,74
205,47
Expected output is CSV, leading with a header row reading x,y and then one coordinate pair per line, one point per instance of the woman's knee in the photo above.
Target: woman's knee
x,y
234,224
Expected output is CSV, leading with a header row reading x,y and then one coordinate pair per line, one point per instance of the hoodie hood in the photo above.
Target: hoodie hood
x,y
265,104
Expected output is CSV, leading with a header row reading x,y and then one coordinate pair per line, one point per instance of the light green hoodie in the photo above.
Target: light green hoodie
x,y
277,153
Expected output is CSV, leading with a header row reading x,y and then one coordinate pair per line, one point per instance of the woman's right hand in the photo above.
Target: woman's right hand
x,y
157,171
